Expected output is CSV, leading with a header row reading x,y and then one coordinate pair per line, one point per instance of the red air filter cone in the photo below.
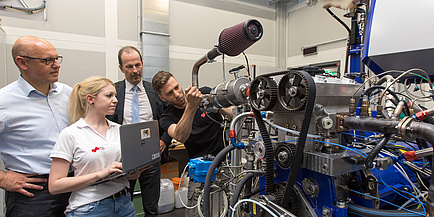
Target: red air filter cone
x,y
236,39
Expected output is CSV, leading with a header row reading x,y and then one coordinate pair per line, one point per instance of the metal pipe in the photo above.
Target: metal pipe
x,y
371,124
424,152
212,54
240,117
155,33
42,6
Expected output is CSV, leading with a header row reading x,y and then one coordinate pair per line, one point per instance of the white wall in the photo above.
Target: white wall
x,y
89,33
312,25
194,30
86,33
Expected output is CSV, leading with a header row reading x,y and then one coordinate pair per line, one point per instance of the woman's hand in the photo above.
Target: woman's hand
x,y
115,167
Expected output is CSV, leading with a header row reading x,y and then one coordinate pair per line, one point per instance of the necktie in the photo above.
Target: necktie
x,y
135,107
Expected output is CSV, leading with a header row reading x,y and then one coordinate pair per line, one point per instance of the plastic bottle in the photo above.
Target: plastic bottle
x,y
167,196
181,194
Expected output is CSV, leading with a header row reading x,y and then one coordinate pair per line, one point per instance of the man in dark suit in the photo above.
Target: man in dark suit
x,y
150,107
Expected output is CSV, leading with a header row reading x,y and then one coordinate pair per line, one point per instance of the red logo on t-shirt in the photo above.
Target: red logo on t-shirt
x,y
203,114
95,149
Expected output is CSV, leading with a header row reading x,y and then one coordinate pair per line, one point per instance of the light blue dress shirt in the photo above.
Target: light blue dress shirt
x,y
30,123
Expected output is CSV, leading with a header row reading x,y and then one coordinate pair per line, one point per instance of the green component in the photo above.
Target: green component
x,y
137,200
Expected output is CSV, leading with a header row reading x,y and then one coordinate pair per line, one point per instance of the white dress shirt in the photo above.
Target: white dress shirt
x,y
30,123
145,110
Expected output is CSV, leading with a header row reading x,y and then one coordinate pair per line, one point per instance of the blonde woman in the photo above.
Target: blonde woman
x,y
91,145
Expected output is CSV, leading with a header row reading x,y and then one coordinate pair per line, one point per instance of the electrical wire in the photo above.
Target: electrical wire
x,y
223,65
385,201
423,170
385,184
414,97
421,77
252,201
403,74
374,76
224,130
288,130
247,64
358,136
399,167
403,173
363,154
421,181
212,119
404,192
227,183
179,187
369,79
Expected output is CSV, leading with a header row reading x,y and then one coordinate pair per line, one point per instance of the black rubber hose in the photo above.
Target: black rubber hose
x,y
339,20
269,153
207,187
238,190
373,88
356,210
371,156
347,53
347,58
253,192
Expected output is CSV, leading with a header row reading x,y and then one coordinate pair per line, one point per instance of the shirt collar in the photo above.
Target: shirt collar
x,y
81,123
28,88
129,86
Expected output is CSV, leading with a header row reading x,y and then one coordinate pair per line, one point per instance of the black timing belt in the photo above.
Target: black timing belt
x,y
310,103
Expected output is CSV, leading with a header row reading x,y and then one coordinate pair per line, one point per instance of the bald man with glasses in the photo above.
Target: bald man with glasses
x,y
47,61
32,114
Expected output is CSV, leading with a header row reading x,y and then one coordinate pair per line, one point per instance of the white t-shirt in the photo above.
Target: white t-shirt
x,y
88,152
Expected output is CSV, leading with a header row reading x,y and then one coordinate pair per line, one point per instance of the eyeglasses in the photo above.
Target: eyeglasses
x,y
47,61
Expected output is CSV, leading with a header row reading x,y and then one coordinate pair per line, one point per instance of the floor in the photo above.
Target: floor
x,y
174,213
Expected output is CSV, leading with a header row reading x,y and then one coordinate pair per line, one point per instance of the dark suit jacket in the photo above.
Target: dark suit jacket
x,y
157,106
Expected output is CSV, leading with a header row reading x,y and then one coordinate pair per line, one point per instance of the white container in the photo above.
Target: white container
x,y
181,194
167,196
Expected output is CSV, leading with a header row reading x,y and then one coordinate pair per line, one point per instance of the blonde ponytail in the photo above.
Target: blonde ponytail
x,y
78,106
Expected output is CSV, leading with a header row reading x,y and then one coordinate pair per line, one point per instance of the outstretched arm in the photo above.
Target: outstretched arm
x,y
181,131
59,182
227,112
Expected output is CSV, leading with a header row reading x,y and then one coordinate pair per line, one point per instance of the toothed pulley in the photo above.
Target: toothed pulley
x,y
293,91
263,93
284,155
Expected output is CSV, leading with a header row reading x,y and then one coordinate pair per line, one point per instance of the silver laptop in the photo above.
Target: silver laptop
x,y
140,148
